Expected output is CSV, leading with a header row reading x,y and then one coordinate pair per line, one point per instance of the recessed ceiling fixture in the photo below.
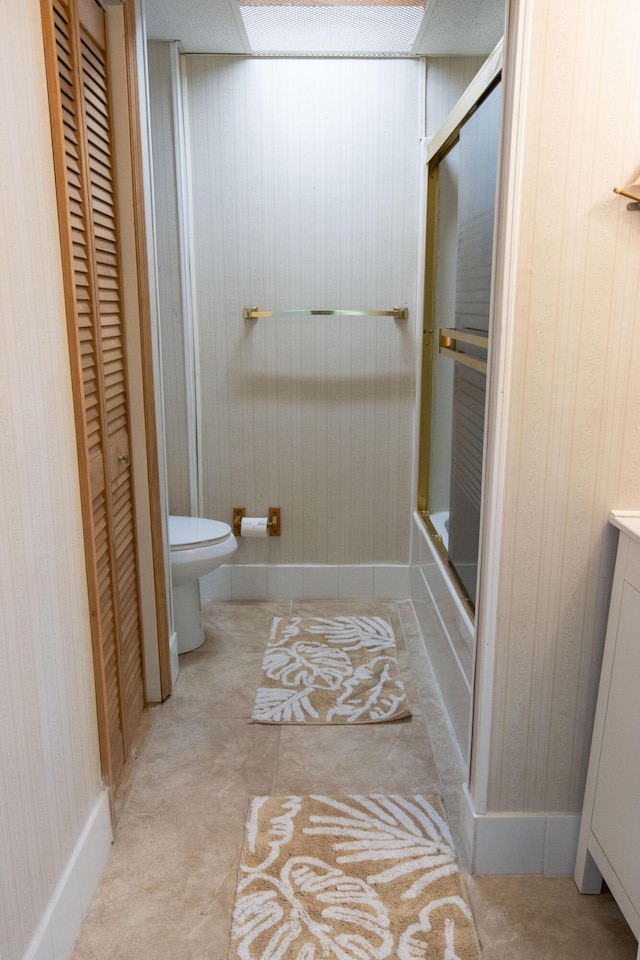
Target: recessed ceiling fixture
x,y
346,29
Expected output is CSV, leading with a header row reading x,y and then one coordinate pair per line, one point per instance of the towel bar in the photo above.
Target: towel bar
x,y
448,340
253,313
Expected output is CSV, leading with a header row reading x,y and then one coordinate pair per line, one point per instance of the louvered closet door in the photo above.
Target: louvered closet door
x,y
88,168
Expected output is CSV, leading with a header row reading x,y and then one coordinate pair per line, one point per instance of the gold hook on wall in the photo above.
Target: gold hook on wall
x,y
632,192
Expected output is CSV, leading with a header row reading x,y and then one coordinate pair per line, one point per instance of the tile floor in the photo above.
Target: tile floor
x,y
167,891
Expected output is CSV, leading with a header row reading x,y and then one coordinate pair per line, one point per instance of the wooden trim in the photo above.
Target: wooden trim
x,y
93,590
146,344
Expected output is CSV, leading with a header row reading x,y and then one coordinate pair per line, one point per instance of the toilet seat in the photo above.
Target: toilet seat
x,y
187,533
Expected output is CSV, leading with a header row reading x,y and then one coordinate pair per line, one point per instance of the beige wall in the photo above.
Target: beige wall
x,y
570,346
48,743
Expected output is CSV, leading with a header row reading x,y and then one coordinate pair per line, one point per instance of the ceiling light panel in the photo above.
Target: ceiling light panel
x,y
331,29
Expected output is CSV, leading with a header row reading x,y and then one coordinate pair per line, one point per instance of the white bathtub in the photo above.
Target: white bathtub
x,y
448,632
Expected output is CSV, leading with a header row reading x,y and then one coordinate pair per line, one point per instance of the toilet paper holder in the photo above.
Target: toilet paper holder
x,y
273,521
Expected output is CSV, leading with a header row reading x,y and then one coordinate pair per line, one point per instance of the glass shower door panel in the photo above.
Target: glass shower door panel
x,y
478,145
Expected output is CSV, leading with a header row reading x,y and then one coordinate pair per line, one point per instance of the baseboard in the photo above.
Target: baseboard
x,y
60,925
174,659
306,582
518,843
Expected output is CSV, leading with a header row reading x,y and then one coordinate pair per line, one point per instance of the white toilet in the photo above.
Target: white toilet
x,y
198,546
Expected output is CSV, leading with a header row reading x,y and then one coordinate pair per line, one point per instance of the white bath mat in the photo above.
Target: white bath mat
x,y
330,670
356,877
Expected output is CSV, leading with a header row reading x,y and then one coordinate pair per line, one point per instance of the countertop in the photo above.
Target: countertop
x,y
628,521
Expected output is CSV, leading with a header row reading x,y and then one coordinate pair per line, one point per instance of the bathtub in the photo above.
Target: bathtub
x,y
447,631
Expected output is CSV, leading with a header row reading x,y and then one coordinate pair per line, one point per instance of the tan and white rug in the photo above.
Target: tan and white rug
x,y
351,878
330,670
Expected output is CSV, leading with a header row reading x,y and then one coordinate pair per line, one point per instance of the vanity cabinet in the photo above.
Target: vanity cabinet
x,y
609,844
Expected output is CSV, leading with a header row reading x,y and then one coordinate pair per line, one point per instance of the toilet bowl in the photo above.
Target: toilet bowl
x,y
197,547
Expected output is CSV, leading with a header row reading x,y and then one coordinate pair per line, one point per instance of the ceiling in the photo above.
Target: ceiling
x,y
450,27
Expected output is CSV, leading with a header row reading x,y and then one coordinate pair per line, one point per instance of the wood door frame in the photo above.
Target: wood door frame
x,y
122,36
150,521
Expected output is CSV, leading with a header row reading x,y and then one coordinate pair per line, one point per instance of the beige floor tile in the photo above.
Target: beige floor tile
x,y
216,680
406,668
197,764
546,918
373,758
168,889
246,623
167,892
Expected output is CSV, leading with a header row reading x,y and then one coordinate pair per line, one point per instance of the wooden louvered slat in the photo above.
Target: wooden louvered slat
x,y
101,174
98,129
106,242
95,101
106,237
125,533
101,194
101,180
128,585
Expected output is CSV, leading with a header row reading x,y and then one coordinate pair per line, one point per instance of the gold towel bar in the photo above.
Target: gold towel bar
x,y
447,344
253,313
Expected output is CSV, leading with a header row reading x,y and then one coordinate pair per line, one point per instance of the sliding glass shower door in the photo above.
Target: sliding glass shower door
x,y
462,190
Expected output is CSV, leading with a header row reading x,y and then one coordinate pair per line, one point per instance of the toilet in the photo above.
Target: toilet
x,y
197,547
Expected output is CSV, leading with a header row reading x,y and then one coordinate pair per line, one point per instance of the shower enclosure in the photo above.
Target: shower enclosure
x,y
462,194
461,203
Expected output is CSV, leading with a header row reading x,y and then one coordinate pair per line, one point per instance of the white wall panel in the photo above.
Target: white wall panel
x,y
165,196
305,182
572,449
447,79
50,779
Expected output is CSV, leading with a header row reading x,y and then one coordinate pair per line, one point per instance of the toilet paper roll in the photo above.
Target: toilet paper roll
x,y
253,527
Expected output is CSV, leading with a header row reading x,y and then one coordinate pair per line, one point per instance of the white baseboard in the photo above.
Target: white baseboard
x,y
173,658
60,924
518,843
270,581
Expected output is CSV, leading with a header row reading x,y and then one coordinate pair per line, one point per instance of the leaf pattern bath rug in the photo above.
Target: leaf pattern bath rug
x,y
351,878
330,670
